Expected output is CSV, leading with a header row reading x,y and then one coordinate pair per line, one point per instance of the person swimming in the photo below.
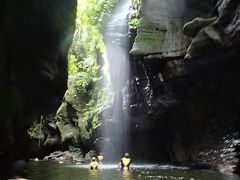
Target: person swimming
x,y
19,170
93,164
100,158
125,162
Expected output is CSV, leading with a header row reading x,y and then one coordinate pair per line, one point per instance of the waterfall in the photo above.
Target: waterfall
x,y
115,124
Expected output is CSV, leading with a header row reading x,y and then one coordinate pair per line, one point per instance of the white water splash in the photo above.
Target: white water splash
x,y
134,166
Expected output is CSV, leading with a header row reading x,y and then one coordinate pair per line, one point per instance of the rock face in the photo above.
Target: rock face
x,y
34,41
186,110
220,31
159,33
70,156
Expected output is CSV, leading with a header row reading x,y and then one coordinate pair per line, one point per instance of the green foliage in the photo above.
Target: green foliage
x,y
36,131
137,5
73,68
83,68
135,22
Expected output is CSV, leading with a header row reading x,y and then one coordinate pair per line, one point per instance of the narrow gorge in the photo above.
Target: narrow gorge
x,y
156,78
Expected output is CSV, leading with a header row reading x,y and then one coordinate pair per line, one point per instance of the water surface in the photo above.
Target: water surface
x,y
55,171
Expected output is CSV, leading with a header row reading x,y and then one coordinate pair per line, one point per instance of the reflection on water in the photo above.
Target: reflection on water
x,y
126,174
55,171
93,174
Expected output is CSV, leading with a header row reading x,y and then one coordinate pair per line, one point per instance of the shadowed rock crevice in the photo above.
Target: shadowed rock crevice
x,y
221,31
35,38
182,110
186,110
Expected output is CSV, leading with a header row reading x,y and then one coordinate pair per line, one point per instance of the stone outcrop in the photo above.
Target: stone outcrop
x,y
221,31
182,110
67,126
34,41
159,33
186,110
69,113
70,156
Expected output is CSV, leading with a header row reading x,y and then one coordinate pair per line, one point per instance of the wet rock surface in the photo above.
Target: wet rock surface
x,y
158,34
89,155
220,31
190,106
34,41
71,155
228,152
182,110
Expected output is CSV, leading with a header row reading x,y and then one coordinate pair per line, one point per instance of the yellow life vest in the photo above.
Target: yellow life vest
x,y
100,158
93,165
126,163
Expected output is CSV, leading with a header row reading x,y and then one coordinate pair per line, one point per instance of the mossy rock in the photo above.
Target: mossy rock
x,y
148,42
67,130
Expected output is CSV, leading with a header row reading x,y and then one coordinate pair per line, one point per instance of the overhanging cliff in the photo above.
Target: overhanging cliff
x,y
34,40
185,110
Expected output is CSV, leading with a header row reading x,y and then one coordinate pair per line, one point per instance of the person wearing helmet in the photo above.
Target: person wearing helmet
x,y
93,164
100,157
125,162
19,170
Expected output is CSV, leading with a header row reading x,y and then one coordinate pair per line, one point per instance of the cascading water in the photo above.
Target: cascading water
x,y
115,124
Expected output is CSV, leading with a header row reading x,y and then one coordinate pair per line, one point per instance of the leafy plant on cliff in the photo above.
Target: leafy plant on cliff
x,y
84,55
135,20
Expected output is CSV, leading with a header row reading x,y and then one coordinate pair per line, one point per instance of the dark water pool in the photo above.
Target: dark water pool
x,y
55,171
